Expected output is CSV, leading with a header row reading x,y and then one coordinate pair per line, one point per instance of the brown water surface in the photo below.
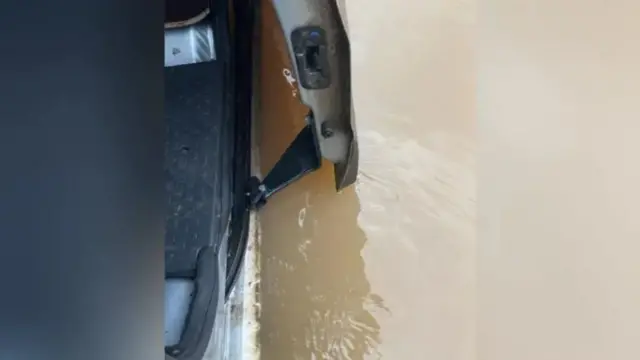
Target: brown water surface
x,y
385,269
395,266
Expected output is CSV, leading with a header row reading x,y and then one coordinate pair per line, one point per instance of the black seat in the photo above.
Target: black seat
x,y
184,10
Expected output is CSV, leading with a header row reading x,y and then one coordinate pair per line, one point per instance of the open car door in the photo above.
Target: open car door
x,y
320,53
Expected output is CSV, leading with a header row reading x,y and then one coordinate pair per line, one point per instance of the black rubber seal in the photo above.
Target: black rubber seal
x,y
243,68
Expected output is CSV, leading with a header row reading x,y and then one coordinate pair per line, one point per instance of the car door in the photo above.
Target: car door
x,y
320,53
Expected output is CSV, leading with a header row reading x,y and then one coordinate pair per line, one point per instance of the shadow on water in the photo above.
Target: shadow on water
x,y
315,295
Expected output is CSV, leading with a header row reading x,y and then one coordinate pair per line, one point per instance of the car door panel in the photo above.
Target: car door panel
x,y
329,99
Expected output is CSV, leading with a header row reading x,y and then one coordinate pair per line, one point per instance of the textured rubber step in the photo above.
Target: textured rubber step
x,y
199,168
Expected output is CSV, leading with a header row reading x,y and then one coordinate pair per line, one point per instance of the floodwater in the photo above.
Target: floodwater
x,y
386,268
558,240
407,264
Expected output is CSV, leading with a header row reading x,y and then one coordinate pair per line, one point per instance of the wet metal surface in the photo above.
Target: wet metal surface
x,y
386,268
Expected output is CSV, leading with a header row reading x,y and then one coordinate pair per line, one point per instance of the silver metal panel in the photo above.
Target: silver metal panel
x,y
333,104
178,294
189,45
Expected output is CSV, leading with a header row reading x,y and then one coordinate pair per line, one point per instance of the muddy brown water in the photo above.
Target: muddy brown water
x,y
407,264
385,268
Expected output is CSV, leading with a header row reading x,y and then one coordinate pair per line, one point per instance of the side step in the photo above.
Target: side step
x,y
301,158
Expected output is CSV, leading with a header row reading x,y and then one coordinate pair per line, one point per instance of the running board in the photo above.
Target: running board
x,y
301,158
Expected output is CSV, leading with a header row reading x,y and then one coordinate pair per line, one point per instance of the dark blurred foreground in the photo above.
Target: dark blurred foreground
x,y
81,197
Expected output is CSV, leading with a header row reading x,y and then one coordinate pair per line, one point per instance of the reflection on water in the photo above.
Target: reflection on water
x,y
384,269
